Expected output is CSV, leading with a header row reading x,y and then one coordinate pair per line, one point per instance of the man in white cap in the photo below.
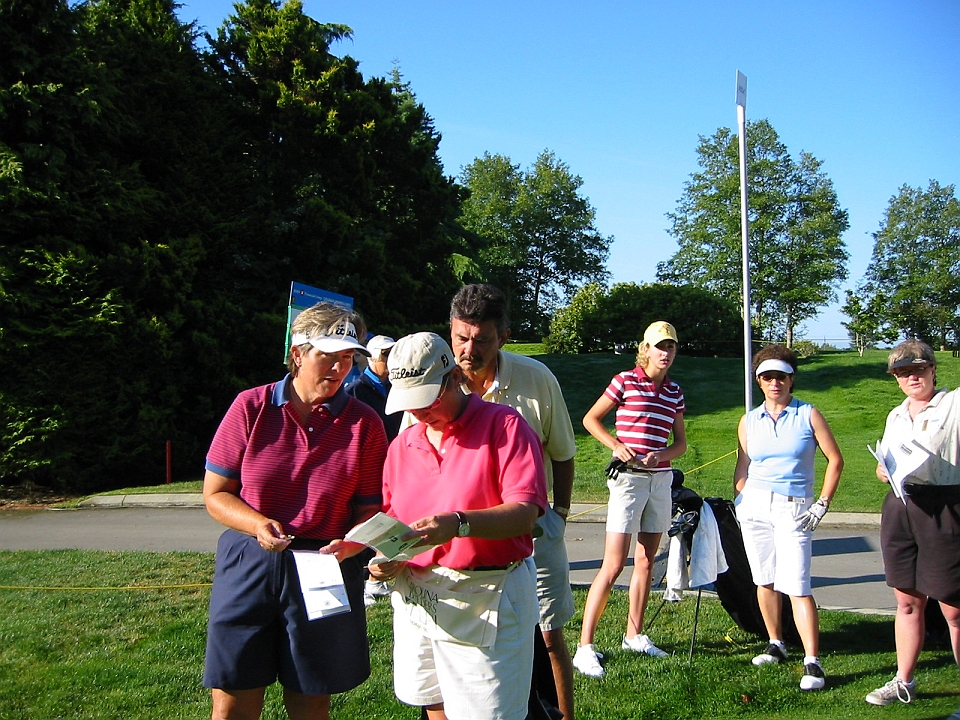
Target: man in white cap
x,y
468,478
374,383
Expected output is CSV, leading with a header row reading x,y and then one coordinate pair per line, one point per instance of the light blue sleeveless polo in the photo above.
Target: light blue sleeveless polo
x,y
782,453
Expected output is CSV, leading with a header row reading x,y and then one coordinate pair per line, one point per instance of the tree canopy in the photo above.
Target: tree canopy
x,y
542,243
797,256
912,282
156,202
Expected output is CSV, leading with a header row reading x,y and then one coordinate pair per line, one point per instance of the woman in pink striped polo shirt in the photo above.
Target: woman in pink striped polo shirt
x,y
649,407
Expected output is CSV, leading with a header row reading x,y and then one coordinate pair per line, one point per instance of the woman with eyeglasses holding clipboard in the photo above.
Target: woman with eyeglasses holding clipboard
x,y
920,533
773,484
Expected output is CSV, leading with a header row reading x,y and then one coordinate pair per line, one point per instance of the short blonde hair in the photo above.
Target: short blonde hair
x,y
317,320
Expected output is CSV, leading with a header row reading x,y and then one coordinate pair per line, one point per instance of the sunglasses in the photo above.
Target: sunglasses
x,y
768,376
905,372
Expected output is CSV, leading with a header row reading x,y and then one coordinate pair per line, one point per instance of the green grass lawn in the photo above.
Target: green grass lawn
x,y
101,653
853,393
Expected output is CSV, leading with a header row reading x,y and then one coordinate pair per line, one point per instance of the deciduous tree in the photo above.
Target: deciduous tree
x,y
797,256
914,274
864,324
543,245
599,319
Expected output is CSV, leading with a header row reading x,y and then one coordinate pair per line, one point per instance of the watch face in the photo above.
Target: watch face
x,y
464,529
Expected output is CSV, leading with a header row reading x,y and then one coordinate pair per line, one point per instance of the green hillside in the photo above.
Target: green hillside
x,y
853,393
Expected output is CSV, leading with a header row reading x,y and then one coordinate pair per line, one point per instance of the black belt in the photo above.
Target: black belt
x,y
942,491
488,567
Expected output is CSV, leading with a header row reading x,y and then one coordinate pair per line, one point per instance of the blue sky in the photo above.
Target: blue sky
x,y
621,92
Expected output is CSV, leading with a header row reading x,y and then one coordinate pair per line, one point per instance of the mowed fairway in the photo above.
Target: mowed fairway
x,y
119,635
853,393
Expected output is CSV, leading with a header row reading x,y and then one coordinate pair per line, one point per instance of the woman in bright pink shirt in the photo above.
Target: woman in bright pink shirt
x,y
468,478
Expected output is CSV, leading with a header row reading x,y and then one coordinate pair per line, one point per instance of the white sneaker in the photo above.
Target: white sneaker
x,y
813,677
894,690
587,661
642,644
775,652
372,589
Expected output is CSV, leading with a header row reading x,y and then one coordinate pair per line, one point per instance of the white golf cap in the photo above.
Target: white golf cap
x,y
774,366
378,343
417,364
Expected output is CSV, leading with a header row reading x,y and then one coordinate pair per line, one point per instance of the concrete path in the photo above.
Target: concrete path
x,y
847,566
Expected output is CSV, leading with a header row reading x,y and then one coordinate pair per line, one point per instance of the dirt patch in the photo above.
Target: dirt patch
x,y
29,497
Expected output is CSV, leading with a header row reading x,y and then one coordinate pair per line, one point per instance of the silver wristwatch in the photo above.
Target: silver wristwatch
x,y
464,528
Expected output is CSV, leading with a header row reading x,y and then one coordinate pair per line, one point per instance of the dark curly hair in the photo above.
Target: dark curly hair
x,y
776,352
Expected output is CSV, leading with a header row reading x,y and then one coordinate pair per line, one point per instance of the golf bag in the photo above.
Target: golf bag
x,y
735,588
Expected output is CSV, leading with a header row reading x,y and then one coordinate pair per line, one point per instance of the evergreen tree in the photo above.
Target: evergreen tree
x,y
348,191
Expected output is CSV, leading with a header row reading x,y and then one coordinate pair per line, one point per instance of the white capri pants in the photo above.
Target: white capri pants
x,y
779,552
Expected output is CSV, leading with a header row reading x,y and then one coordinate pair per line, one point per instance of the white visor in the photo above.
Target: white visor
x,y
342,336
774,366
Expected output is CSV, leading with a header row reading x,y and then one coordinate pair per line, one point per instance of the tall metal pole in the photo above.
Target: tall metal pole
x,y
745,240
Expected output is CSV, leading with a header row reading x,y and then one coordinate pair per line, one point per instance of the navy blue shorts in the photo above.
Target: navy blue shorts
x,y
258,631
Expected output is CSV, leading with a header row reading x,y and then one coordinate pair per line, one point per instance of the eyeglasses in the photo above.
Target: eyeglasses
x,y
773,375
905,372
443,386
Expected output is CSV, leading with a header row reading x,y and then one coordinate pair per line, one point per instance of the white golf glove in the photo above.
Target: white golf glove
x,y
812,517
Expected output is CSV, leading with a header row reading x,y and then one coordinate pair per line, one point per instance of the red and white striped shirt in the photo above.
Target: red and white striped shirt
x,y
644,416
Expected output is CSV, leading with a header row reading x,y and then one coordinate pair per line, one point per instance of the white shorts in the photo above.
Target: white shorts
x,y
640,502
779,552
553,573
473,683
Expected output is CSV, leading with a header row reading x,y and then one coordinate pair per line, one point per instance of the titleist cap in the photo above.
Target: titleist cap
x,y
417,365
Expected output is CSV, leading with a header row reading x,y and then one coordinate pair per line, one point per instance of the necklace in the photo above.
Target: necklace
x,y
775,415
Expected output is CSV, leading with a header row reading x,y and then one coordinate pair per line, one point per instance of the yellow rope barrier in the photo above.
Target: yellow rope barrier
x,y
688,472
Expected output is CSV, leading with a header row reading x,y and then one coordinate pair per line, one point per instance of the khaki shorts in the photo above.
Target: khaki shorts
x,y
640,502
553,573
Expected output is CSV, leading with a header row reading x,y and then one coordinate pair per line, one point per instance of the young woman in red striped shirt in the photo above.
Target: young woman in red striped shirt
x,y
650,408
